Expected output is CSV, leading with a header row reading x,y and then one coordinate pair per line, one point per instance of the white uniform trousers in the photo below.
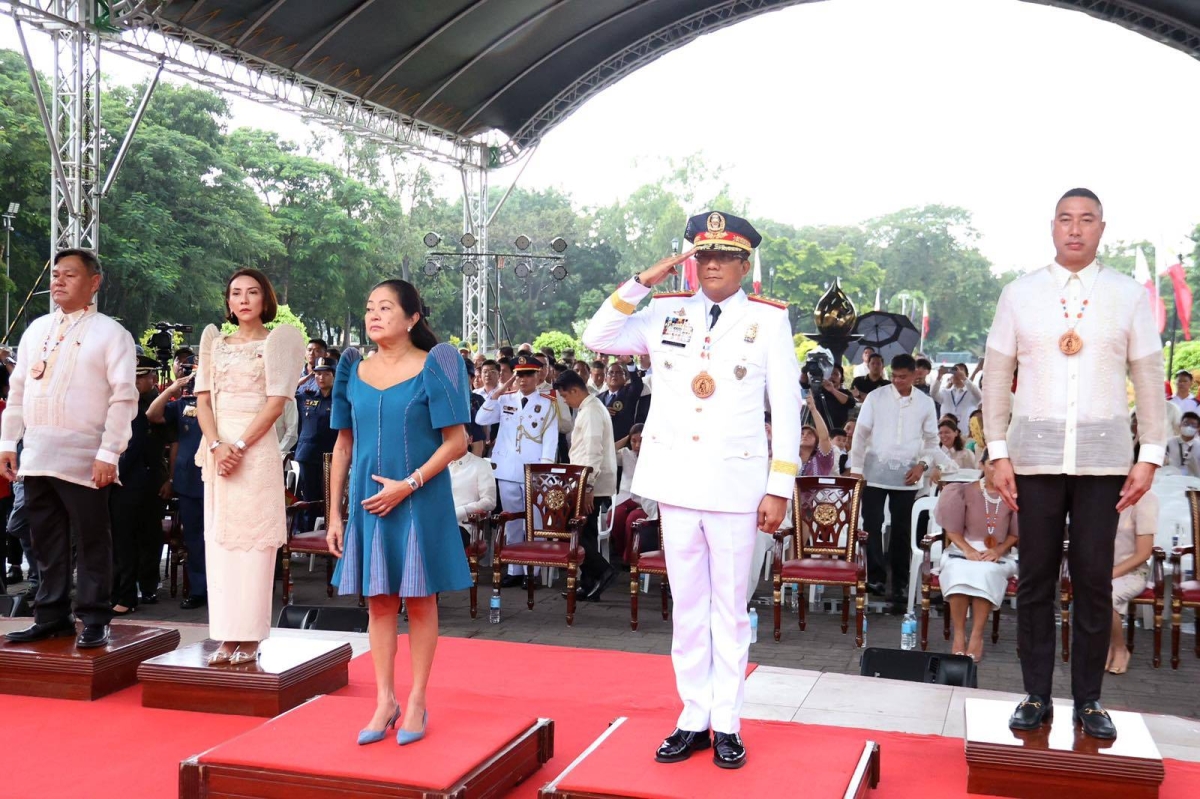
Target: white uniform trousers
x,y
512,500
708,563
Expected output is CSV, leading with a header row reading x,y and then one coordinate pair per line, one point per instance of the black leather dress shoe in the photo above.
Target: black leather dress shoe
x,y
606,579
680,744
93,635
1033,712
728,750
149,599
193,602
512,581
43,630
1095,721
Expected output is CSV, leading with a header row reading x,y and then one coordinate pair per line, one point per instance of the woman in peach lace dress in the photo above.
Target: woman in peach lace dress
x,y
242,384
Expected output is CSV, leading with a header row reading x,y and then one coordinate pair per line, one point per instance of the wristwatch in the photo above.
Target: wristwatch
x,y
241,445
213,446
638,279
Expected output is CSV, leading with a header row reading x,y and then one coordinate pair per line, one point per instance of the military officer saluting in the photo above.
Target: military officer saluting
x,y
315,438
718,357
528,433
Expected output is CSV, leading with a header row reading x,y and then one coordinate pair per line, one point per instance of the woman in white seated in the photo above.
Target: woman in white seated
x,y
628,507
1131,567
976,566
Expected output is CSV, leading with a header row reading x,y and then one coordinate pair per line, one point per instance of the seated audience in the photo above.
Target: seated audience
x,y
1131,567
628,507
473,486
951,445
1183,451
976,566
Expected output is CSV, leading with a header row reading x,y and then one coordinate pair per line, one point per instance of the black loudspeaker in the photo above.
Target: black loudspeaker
x,y
916,666
296,617
347,620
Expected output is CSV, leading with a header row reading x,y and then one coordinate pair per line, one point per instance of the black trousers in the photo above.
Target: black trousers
x,y
137,541
594,565
1045,502
311,487
60,511
899,553
191,517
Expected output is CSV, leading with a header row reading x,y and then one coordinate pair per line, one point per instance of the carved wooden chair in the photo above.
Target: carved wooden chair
x,y
176,551
1184,593
312,542
827,547
476,548
1152,596
553,516
930,585
643,564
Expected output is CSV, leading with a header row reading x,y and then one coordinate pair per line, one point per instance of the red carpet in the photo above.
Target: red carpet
x,y
128,751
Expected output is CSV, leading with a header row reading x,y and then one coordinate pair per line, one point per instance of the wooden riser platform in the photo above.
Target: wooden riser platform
x,y
1058,759
288,672
55,668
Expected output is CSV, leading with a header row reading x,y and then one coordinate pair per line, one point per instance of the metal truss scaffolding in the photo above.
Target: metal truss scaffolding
x,y
475,287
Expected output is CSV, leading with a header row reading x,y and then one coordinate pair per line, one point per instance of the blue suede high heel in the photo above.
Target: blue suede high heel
x,y
375,736
404,737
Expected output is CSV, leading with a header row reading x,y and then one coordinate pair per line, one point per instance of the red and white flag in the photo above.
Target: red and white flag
x,y
691,280
1183,297
757,274
1141,273
924,320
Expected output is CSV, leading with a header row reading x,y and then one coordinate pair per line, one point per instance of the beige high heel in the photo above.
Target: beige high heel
x,y
239,657
220,658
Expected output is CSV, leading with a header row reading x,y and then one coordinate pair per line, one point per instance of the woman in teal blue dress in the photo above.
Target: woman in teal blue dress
x,y
400,416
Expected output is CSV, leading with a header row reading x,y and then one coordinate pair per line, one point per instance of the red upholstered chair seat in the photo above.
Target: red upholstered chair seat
x,y
313,542
554,552
654,562
479,547
821,570
1191,591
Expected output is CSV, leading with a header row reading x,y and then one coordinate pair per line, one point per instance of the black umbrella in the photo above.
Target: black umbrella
x,y
889,334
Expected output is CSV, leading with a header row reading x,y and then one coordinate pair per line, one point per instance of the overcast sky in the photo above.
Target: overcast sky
x,y
838,111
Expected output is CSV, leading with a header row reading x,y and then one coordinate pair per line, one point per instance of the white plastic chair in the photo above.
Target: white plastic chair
x,y
923,504
606,525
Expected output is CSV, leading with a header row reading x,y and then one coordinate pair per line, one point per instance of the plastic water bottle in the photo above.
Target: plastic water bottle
x,y
864,631
753,625
494,609
908,632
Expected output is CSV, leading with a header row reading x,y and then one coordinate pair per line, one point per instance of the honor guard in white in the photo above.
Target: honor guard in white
x,y
718,357
528,433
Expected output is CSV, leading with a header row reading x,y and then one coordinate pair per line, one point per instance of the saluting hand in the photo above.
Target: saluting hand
x,y
664,269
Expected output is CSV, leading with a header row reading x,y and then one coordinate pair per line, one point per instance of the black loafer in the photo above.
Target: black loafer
x,y
93,636
606,579
1095,721
680,744
43,630
728,750
877,589
149,599
1032,713
512,581
193,602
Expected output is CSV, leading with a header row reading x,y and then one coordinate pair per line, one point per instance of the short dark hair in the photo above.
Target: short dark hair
x,y
270,305
904,362
568,380
561,367
505,362
185,352
1184,373
320,342
1190,414
873,356
599,364
837,431
924,363
1087,194
87,256
490,362
506,351
636,429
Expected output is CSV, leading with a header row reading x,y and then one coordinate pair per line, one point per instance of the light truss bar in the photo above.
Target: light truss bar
x,y
1136,17
475,288
149,39
123,150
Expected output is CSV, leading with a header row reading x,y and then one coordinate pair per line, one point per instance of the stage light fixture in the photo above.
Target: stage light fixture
x,y
559,272
469,269
559,244
468,240
432,267
523,268
522,242
432,239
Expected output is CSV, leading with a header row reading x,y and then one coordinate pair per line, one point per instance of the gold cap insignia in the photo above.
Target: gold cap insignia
x,y
716,223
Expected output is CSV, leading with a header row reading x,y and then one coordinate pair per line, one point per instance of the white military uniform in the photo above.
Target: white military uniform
x,y
705,462
528,433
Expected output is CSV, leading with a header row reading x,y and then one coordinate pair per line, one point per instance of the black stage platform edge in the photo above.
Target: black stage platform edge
x,y
57,669
864,778
508,767
290,672
1058,758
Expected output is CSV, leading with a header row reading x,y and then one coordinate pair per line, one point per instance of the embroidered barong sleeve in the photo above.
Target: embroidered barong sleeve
x,y
1147,374
999,366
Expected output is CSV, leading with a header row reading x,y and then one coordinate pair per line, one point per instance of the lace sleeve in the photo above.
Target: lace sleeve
x,y
283,354
204,372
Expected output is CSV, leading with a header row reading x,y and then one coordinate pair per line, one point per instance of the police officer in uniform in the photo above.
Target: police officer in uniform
x,y
134,505
718,358
528,433
176,409
316,438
